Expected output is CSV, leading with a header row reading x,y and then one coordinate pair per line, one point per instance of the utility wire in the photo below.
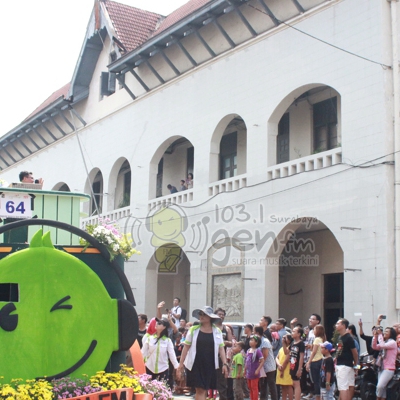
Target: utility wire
x,y
351,167
384,66
84,163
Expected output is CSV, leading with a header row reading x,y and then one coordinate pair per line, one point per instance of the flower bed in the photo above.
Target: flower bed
x,y
123,385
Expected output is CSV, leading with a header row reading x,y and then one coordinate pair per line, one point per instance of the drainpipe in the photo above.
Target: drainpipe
x,y
396,132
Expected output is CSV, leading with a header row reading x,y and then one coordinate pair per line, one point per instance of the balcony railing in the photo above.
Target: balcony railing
x,y
309,163
114,215
227,185
175,198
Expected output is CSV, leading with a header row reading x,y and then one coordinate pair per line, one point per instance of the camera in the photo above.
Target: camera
x,y
383,316
36,180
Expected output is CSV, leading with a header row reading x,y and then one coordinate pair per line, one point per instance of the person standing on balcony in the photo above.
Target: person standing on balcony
x,y
183,185
172,189
189,181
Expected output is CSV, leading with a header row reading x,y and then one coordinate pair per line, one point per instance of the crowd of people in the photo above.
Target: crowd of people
x,y
205,359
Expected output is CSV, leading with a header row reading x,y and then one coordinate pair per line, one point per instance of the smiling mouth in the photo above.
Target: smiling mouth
x,y
68,371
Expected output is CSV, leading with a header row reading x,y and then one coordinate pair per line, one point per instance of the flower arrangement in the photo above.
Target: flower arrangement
x,y
125,378
158,389
31,389
108,233
68,387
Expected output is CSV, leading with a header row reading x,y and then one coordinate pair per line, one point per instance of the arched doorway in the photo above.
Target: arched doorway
x,y
168,270
167,277
310,275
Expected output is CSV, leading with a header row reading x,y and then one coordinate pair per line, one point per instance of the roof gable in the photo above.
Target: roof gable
x,y
132,25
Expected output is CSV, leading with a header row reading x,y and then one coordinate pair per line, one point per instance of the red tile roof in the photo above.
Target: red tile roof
x,y
55,96
132,25
180,13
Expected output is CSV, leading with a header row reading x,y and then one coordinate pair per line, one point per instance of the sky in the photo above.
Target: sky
x,y
41,44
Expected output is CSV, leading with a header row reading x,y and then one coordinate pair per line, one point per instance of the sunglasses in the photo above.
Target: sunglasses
x,y
201,314
160,323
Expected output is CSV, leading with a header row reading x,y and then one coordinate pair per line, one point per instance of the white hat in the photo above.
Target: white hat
x,y
206,310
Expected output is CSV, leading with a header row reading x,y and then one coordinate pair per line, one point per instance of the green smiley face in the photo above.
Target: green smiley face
x,y
59,319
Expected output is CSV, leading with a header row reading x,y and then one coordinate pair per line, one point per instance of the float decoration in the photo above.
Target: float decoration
x,y
108,233
59,319
123,385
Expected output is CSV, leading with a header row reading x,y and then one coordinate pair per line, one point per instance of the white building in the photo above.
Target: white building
x,y
281,109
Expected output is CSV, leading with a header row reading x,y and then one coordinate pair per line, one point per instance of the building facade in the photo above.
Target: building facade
x,y
285,112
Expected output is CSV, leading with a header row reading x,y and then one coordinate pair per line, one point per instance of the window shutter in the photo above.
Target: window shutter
x,y
111,82
104,84
107,83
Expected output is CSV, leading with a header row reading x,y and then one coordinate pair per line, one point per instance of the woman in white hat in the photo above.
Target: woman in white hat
x,y
203,343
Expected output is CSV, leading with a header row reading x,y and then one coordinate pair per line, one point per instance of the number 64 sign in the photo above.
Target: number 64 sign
x,y
15,205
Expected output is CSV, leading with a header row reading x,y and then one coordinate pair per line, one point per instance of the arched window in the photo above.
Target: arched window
x,y
307,121
97,194
228,149
123,186
172,163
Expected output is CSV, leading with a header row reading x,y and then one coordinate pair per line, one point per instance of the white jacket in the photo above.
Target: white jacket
x,y
191,340
156,353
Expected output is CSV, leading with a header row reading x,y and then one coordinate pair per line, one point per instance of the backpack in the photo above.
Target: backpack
x,y
184,313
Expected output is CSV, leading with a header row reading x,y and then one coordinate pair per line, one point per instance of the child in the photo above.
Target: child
x,y
283,377
229,359
296,350
327,372
212,394
253,365
237,370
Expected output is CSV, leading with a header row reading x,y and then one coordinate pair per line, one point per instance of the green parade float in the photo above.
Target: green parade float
x,y
66,309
